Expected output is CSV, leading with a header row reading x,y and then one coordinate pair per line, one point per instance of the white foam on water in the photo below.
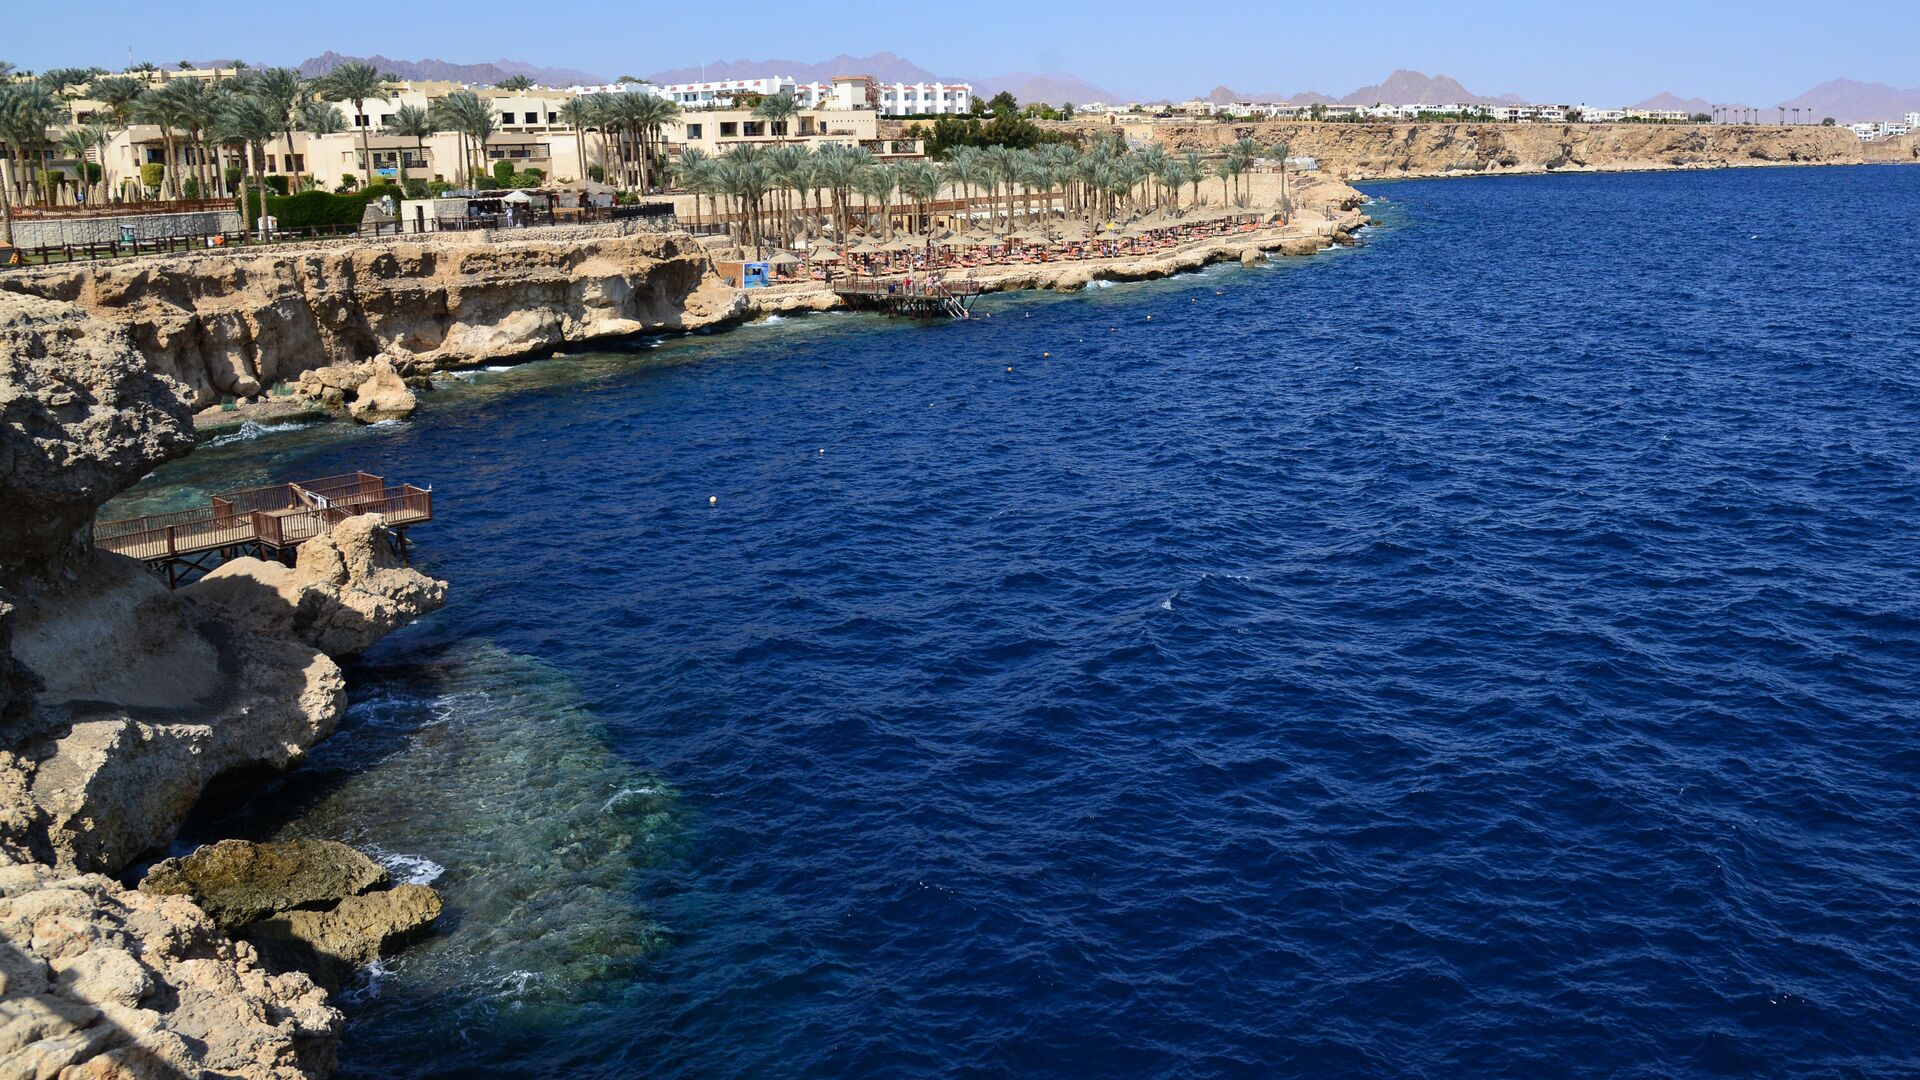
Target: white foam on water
x,y
643,791
253,429
406,869
366,985
1100,283
498,367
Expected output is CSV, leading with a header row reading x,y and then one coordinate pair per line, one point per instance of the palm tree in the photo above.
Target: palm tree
x,y
320,118
920,181
1004,162
1196,172
878,184
1225,171
1280,151
199,112
77,143
279,90
27,110
463,111
252,123
695,170
410,122
163,110
577,114
355,82
777,110
515,83
651,114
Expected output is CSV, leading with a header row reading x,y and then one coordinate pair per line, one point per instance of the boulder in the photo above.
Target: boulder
x,y
236,882
382,396
347,591
81,418
1252,257
331,944
101,981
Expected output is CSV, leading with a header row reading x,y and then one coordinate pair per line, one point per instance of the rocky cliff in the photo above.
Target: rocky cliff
x,y
233,325
120,701
1379,151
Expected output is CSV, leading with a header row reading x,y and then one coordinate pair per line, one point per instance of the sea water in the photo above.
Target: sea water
x,y
1490,651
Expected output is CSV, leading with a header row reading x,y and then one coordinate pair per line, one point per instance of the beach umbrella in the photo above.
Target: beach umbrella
x,y
784,258
517,197
869,248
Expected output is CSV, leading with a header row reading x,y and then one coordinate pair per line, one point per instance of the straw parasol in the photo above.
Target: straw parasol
x,y
783,258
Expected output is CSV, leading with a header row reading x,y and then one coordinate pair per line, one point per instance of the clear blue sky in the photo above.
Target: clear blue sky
x,y
1602,53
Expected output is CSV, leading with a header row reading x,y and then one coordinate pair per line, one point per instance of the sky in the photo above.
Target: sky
x,y
1600,53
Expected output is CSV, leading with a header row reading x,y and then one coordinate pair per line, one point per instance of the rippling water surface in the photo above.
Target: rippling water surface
x,y
1490,651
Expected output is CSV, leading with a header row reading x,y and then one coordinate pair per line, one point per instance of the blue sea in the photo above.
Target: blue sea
x,y
1493,650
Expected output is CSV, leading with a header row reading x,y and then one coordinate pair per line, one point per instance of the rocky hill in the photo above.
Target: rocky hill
x,y
1378,151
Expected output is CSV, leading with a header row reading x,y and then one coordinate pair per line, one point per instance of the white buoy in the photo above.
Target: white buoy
x,y
713,500
823,449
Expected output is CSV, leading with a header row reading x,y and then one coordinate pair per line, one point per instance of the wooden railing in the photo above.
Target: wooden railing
x,y
278,516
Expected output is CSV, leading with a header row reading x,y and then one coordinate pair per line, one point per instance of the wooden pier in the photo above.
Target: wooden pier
x,y
266,523
911,296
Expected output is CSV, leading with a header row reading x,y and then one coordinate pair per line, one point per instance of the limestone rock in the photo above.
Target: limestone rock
x,y
381,396
106,982
1252,257
234,323
330,944
236,882
346,592
81,418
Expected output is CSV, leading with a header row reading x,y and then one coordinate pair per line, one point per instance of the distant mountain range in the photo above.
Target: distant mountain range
x,y
486,73
1054,87
1846,100
1403,87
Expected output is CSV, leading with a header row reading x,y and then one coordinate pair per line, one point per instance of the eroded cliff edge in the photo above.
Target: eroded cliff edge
x,y
1374,151
233,325
120,701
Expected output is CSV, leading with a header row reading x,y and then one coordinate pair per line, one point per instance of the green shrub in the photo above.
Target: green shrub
x,y
486,183
596,174
90,172
233,175
190,188
438,187
536,175
279,184
503,172
348,181
315,208
416,188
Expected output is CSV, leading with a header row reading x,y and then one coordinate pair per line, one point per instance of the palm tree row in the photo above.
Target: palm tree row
x,y
779,193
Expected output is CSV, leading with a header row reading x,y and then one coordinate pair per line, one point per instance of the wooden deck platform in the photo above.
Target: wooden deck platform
x,y
267,522
911,296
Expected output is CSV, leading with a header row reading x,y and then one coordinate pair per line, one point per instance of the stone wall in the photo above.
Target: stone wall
x,y
30,233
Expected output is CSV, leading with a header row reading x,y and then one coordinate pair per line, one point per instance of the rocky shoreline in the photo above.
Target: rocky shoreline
x,y
120,701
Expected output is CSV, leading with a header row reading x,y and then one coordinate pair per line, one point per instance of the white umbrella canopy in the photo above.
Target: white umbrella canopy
x,y
517,197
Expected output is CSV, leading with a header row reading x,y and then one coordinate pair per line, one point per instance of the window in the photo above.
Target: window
x,y
729,128
693,131
506,118
754,127
533,118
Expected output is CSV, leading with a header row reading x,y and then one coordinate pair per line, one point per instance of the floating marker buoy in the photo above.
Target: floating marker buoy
x,y
823,449
1009,369
1149,318
713,500
1046,356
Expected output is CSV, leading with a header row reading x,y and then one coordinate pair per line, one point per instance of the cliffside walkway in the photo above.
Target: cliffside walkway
x,y
266,522
922,298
